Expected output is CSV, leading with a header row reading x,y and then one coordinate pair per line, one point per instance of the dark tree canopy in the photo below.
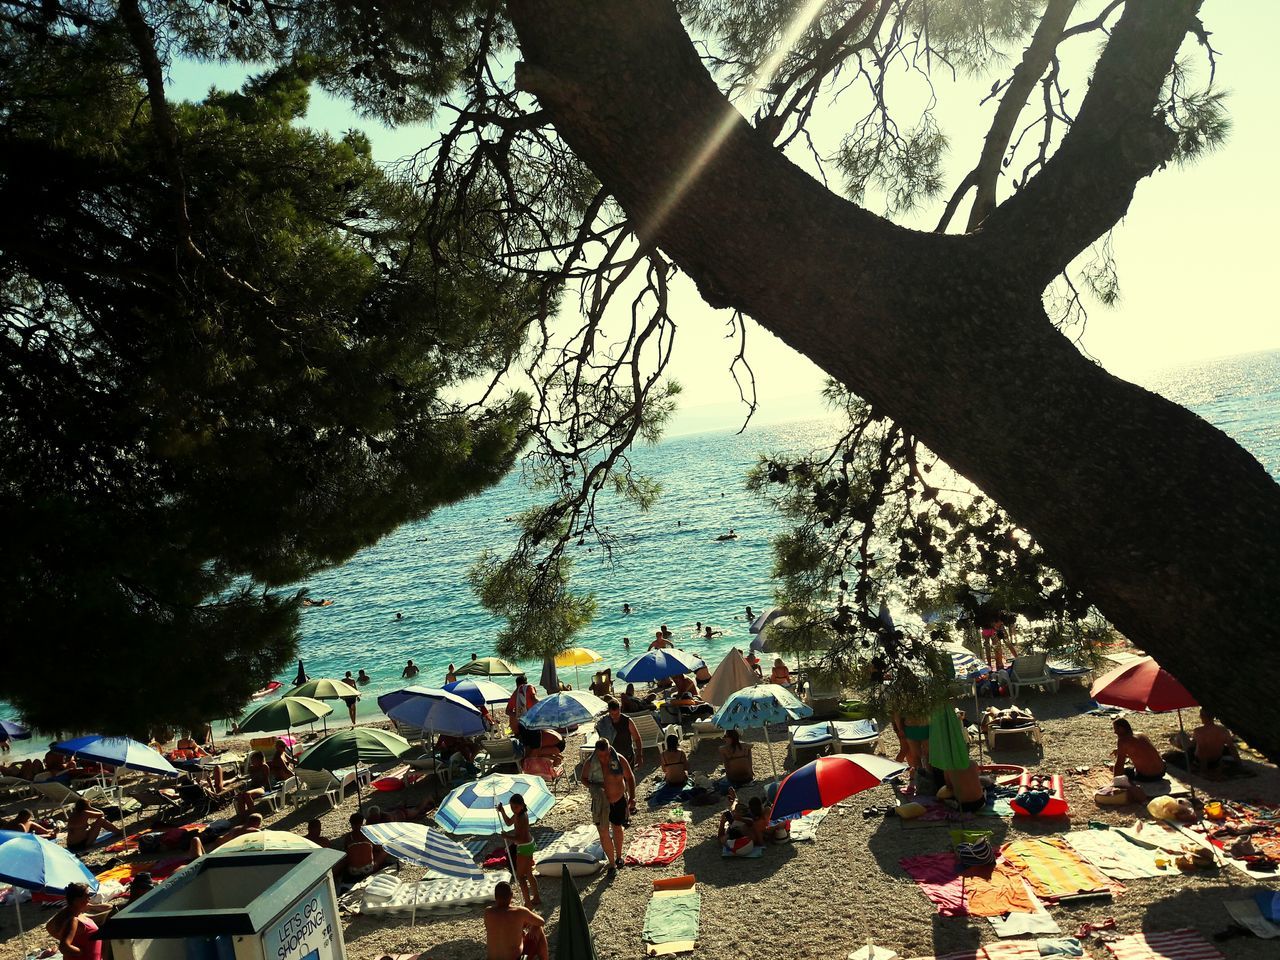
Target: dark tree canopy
x,y
600,147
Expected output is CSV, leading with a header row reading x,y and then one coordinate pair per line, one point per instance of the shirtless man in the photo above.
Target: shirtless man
x,y
513,932
675,763
518,820
1210,743
1143,759
258,783
252,825
613,797
85,824
659,641
280,764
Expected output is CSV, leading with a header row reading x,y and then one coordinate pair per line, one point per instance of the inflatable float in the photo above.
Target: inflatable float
x,y
1033,786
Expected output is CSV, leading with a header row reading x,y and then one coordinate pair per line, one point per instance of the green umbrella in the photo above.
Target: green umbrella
x,y
352,746
948,745
324,690
573,940
490,667
284,713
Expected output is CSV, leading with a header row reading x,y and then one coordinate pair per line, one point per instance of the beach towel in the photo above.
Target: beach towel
x,y
666,793
806,827
1026,950
755,854
656,846
989,891
1038,922
1183,944
1115,855
671,919
1054,870
948,745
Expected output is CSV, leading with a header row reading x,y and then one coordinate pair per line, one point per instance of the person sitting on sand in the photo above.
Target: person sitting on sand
x,y
743,828
362,857
252,824
26,822
780,674
511,932
1209,744
84,826
410,671
675,763
522,836
315,833
736,757
1136,756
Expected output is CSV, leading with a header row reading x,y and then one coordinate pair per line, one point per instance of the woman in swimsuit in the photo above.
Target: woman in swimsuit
x,y
675,763
736,757
525,848
75,929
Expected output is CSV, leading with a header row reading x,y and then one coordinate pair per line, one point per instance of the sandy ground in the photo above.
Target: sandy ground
x,y
826,898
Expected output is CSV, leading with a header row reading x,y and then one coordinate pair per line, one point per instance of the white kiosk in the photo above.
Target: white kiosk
x,y
270,905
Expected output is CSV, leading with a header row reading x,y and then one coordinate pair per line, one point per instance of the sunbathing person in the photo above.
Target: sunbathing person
x,y
252,824
780,674
26,822
633,704
675,763
518,820
688,699
736,757
281,763
84,826
258,784
1209,744
1136,756
511,932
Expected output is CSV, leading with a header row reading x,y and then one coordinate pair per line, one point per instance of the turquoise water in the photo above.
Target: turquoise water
x,y
667,564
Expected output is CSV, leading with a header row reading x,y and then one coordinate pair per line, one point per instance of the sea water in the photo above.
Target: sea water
x,y
667,564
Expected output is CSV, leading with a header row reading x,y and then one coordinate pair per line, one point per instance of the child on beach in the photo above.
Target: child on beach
x,y
518,820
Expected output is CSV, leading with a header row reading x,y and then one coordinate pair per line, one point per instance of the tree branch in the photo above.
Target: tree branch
x,y
1119,137
1035,59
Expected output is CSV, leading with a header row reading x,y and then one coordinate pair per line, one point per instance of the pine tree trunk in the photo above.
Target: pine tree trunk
x,y
1169,526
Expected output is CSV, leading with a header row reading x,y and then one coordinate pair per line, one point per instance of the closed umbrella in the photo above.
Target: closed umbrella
x,y
284,714
489,667
324,689
759,706
573,937
422,846
576,657
472,809
828,780
563,710
265,840
478,692
733,674
660,664
15,730
440,711
35,864
1145,685
549,680
350,747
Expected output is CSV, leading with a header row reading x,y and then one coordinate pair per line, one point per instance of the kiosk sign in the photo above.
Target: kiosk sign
x,y
306,931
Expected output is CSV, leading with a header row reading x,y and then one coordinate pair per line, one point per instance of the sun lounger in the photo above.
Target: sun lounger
x,y
579,850
703,730
53,796
839,734
1031,670
387,895
497,753
651,735
308,785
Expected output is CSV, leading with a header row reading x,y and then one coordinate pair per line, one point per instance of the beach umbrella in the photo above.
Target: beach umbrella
x,y
828,780
389,700
489,667
478,692
265,840
573,937
965,666
472,808
422,846
563,710
762,619
550,678
1145,685
759,706
733,674
324,689
350,747
440,711
35,864
654,665
16,731
283,714
576,657
119,752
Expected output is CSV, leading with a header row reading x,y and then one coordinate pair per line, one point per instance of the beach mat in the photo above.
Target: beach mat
x,y
1054,870
671,919
1117,856
1183,944
657,845
987,891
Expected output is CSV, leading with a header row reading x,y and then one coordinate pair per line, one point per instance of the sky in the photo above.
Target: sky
x,y
1196,252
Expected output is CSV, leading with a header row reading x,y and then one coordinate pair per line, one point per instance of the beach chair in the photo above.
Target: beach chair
x,y
307,785
409,732
1030,670
823,694
703,730
497,754
53,796
651,735
855,736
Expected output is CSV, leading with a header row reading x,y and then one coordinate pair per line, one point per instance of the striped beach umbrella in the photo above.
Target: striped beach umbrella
x,y
828,780
472,809
563,710
418,844
965,664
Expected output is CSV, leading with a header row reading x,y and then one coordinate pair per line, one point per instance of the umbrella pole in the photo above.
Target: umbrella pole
x,y
772,762
1186,752
977,719
413,915
22,936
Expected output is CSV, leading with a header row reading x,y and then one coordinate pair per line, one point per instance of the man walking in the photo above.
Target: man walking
x,y
612,784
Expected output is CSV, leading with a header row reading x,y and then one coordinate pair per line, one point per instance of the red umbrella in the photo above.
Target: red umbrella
x,y
828,780
1142,685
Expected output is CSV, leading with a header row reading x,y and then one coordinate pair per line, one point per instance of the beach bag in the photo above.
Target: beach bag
x,y
973,848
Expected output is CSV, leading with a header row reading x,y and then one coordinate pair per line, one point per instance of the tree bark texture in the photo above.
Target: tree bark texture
x,y
1171,528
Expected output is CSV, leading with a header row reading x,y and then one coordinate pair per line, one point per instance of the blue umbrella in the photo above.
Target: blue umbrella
x,y
37,865
418,844
563,710
479,692
472,807
966,665
759,706
16,731
440,711
117,752
658,665
396,697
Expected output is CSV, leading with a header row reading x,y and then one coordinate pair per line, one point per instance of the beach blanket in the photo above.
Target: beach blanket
x,y
1024,950
500,859
806,827
1038,922
1115,855
671,920
1054,870
988,891
665,793
656,846
1171,945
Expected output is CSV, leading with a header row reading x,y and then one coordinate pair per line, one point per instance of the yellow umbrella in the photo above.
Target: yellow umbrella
x,y
576,657
267,840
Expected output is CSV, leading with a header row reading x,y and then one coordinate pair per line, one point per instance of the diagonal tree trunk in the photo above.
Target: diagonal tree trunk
x,y
1169,526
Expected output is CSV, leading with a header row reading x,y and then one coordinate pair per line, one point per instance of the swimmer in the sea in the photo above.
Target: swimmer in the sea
x,y
626,608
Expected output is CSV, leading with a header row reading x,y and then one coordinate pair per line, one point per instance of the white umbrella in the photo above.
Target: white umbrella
x,y
418,844
759,706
